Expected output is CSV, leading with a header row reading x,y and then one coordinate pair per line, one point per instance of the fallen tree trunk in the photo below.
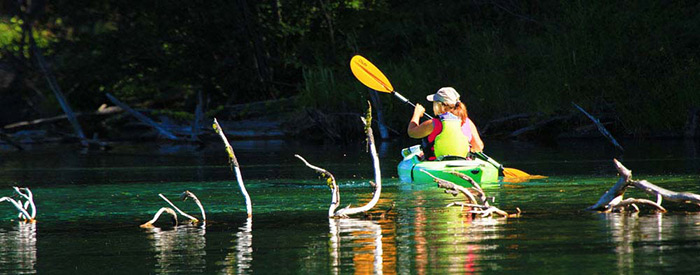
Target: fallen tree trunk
x,y
103,111
613,200
601,128
9,140
142,117
53,84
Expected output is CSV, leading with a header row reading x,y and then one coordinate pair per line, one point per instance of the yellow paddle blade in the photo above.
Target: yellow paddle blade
x,y
513,175
369,75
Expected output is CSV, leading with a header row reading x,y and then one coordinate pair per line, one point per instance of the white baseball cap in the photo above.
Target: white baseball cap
x,y
447,95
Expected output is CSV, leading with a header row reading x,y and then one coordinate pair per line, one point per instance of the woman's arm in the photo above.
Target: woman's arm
x,y
477,145
417,129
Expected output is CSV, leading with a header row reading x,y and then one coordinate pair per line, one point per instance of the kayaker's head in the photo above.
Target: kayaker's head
x,y
446,99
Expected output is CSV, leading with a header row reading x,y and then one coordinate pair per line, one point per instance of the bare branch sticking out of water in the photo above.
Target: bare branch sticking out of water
x,y
454,188
335,201
18,206
233,162
476,185
27,194
23,209
193,220
188,194
149,224
478,206
613,200
377,172
330,180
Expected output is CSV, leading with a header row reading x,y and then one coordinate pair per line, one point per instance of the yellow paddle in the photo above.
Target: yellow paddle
x,y
373,78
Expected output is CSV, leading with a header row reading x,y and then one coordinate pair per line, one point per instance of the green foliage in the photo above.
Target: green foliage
x,y
637,59
11,37
321,91
10,34
634,58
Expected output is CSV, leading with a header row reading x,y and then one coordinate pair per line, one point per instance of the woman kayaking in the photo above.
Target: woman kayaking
x,y
451,133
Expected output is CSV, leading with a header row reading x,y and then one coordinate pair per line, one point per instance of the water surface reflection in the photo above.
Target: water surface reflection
x,y
447,240
649,238
18,249
180,249
363,240
239,260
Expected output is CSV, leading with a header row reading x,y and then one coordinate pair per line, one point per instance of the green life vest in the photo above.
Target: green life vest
x,y
448,137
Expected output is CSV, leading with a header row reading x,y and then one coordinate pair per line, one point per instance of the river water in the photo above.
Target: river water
x,y
90,206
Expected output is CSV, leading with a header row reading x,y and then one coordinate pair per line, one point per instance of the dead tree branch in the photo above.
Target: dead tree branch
x,y
193,220
233,163
149,224
478,206
330,179
612,200
601,128
335,201
142,117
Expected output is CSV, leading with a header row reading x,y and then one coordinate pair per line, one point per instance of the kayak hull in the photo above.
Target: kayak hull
x,y
409,170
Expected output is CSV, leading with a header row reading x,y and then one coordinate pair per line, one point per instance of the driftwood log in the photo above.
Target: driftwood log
x,y
613,200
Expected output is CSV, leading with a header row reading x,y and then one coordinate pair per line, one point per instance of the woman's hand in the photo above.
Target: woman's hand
x,y
418,111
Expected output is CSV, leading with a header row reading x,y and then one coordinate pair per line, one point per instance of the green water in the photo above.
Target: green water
x,y
90,206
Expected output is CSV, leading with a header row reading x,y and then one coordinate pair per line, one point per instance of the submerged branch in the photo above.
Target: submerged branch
x,y
476,185
476,206
447,185
633,202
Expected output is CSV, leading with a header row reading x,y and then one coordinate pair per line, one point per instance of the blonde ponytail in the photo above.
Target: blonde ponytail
x,y
460,110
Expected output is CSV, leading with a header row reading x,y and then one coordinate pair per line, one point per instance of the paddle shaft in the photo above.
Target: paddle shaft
x,y
405,100
488,159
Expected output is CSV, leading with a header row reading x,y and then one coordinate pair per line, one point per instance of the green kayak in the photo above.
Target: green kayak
x,y
410,167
